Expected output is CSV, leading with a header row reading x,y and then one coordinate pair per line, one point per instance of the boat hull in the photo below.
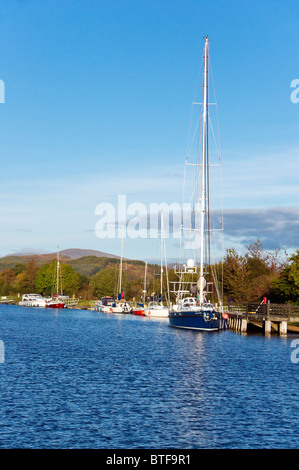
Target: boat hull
x,y
156,313
194,320
109,309
138,312
55,305
28,303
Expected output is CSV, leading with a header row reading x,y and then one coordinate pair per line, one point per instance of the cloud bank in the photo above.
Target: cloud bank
x,y
275,227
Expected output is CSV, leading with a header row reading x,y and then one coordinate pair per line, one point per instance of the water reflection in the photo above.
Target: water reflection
x,y
87,380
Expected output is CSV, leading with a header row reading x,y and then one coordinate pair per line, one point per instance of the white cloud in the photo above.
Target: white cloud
x,y
275,227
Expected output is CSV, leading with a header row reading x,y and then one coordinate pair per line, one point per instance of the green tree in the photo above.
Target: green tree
x,y
285,287
236,276
105,282
19,268
70,280
46,280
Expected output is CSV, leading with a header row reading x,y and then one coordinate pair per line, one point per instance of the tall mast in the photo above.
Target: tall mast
x,y
203,180
144,290
121,261
161,280
57,288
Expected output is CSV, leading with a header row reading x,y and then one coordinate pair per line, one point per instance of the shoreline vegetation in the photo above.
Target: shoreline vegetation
x,y
246,278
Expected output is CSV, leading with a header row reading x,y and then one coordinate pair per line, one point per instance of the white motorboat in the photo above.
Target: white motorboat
x,y
33,300
156,309
110,305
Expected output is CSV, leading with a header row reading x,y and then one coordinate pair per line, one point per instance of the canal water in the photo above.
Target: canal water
x,y
82,379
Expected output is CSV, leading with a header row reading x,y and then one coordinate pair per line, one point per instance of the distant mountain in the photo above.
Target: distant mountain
x,y
75,253
71,253
70,256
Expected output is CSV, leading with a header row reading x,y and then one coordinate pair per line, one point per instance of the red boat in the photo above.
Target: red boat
x,y
55,303
139,311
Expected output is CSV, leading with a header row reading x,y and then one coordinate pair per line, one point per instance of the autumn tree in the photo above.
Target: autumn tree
x,y
263,266
7,277
285,287
25,280
236,276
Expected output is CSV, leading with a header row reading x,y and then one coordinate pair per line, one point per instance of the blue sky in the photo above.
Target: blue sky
x,y
97,103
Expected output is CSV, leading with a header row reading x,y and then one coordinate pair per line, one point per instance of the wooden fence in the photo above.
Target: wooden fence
x,y
265,309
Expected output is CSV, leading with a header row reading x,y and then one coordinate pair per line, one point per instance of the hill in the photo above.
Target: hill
x,y
70,254
75,253
90,265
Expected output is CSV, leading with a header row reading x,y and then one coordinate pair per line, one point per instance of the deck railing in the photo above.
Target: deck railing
x,y
264,309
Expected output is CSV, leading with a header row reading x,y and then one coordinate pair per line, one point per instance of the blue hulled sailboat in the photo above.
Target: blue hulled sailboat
x,y
196,288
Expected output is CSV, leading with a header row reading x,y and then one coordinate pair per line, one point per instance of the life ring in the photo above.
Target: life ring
x,y
206,316
225,316
111,310
149,312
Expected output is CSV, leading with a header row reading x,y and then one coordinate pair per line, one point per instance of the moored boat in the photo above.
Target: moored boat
x,y
197,282
33,300
104,304
56,301
108,304
138,310
157,310
188,313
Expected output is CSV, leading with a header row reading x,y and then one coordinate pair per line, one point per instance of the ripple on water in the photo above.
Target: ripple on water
x,y
79,379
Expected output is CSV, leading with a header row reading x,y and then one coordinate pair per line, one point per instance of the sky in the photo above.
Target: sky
x,y
97,104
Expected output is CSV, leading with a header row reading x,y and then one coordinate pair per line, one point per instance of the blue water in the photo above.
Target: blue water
x,y
81,379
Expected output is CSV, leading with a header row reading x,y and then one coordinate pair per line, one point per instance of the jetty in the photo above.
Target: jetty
x,y
6,300
268,317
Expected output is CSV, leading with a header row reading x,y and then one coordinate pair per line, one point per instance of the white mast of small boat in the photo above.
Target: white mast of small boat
x,y
161,276
156,308
57,273
55,302
121,261
144,290
122,305
203,180
119,283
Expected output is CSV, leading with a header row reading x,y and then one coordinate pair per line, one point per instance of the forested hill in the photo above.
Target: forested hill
x,y
246,278
86,277
67,256
89,264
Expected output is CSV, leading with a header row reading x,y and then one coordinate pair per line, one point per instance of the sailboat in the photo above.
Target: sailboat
x,y
154,308
56,302
109,304
121,306
196,283
139,308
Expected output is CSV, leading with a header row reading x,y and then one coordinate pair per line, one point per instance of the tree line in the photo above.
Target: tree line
x,y
246,278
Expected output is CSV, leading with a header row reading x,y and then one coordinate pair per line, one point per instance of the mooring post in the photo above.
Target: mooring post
x,y
267,327
244,325
283,328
